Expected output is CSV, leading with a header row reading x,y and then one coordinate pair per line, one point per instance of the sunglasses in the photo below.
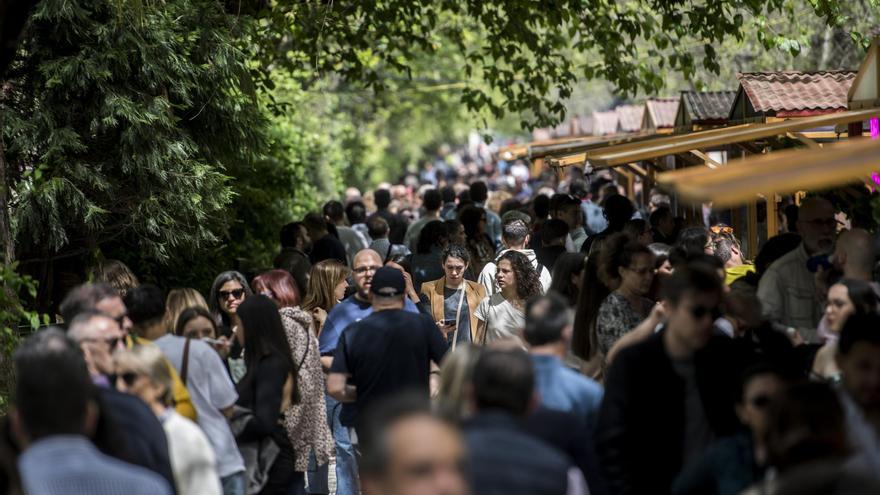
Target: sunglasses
x,y
364,269
129,377
760,401
721,229
700,311
121,320
112,343
235,293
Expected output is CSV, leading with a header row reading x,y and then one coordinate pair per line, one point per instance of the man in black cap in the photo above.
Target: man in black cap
x,y
387,352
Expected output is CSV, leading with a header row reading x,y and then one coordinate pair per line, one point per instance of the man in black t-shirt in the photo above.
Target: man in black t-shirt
x,y
388,352
325,246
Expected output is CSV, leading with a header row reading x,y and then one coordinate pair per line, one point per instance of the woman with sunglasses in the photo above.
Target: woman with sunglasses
x,y
627,268
229,290
144,373
304,419
731,464
328,282
269,389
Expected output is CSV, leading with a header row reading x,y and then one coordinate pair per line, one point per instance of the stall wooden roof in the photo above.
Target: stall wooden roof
x,y
704,108
660,113
629,117
610,156
781,172
790,93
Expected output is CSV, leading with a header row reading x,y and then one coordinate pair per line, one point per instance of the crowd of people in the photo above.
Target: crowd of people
x,y
444,338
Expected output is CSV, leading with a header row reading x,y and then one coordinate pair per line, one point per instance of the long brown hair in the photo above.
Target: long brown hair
x,y
323,279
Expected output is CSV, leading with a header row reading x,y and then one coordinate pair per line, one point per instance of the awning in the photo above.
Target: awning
x,y
541,149
780,172
610,156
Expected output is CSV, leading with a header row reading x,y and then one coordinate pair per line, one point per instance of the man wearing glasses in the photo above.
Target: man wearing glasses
x,y
788,289
351,310
687,378
139,432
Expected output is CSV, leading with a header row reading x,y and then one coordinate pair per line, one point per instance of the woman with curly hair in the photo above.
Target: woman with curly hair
x,y
502,315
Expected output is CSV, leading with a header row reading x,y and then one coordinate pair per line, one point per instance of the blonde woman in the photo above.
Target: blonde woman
x,y
144,373
328,281
177,301
453,397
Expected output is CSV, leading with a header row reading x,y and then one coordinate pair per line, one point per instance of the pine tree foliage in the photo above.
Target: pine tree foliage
x,y
123,120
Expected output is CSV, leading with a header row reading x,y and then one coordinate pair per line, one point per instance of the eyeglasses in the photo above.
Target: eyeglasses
x,y
701,311
822,222
365,269
760,401
721,229
641,271
121,320
112,342
235,293
129,377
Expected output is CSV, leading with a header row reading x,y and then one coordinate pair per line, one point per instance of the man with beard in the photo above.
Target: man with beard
x,y
788,288
295,244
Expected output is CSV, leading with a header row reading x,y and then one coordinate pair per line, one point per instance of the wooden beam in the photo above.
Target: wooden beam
x,y
799,136
616,155
772,215
752,226
635,167
750,148
782,172
709,162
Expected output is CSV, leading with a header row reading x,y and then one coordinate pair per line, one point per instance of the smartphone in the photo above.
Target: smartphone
x,y
448,322
211,341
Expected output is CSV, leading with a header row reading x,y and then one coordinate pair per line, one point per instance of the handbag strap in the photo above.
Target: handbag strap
x,y
295,399
458,315
184,367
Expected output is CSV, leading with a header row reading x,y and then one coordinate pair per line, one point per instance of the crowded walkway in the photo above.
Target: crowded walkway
x,y
471,330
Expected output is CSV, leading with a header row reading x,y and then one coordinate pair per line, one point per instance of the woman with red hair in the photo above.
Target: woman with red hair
x,y
305,419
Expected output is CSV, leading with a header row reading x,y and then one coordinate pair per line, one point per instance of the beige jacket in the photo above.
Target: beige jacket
x,y
474,293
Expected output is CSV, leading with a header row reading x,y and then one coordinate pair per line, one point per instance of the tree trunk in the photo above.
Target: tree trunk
x,y
5,227
827,42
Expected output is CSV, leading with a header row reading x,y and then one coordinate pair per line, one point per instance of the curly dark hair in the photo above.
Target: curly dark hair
x,y
528,283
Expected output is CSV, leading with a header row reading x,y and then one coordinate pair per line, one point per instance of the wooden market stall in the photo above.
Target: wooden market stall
x,y
781,172
660,115
699,110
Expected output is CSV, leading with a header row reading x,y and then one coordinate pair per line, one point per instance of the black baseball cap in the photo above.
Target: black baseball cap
x,y
388,282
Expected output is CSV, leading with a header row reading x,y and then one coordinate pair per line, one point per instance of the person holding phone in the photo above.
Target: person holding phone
x,y
452,299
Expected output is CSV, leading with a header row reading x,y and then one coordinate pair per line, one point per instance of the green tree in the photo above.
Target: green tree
x,y
515,55
122,123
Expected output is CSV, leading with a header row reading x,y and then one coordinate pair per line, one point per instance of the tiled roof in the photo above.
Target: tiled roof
x,y
605,123
630,117
662,111
796,92
708,106
584,125
541,134
562,129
